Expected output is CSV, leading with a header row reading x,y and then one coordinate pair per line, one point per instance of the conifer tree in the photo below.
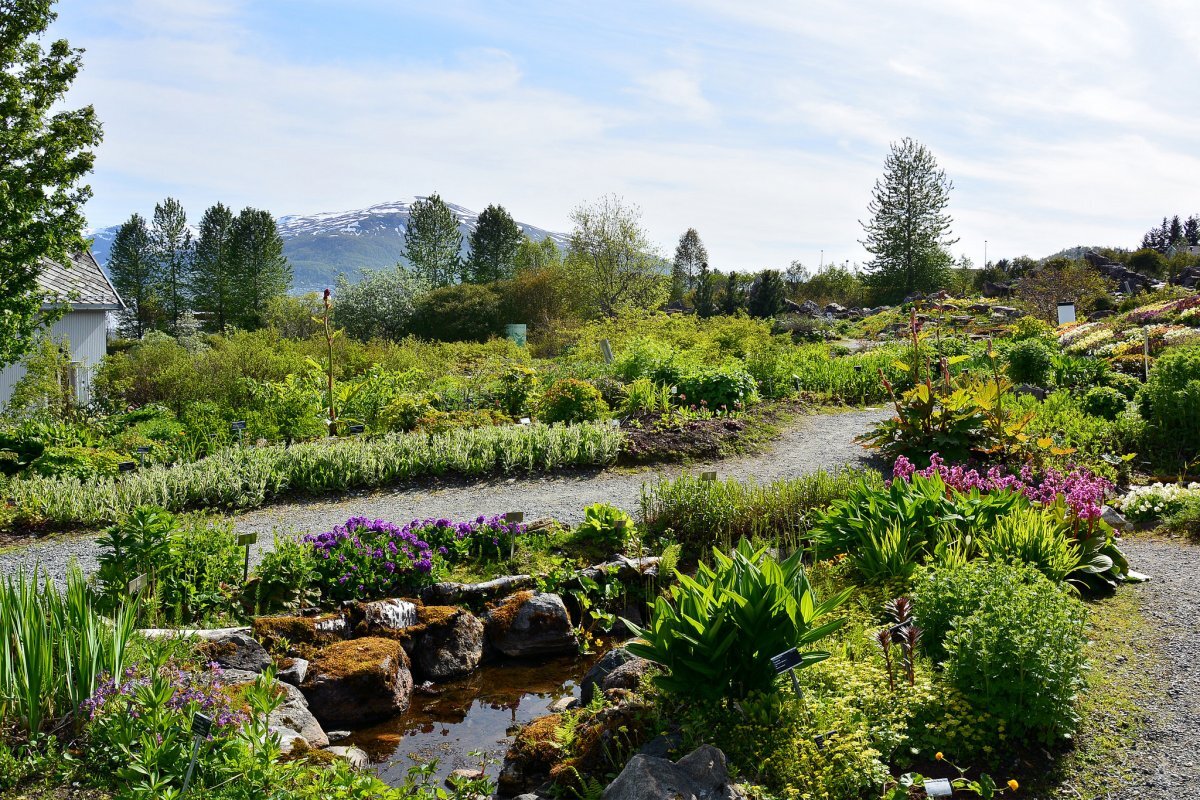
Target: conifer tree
x,y
689,255
173,255
732,301
768,294
261,271
214,267
433,242
705,297
494,245
45,151
134,270
909,230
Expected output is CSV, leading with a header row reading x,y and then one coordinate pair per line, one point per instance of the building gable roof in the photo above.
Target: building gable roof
x,y
80,282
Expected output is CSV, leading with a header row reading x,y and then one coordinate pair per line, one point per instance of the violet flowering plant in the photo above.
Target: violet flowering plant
x,y
483,537
366,558
1081,491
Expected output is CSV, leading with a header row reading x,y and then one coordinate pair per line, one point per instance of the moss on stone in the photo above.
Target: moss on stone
x,y
502,615
364,657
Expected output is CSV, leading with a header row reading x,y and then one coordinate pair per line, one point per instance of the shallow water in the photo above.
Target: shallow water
x,y
480,712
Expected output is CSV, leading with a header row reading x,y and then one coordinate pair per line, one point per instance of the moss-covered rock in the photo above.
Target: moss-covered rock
x,y
355,682
531,624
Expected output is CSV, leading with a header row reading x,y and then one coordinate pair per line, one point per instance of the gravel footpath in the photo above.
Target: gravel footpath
x,y
817,441
1167,766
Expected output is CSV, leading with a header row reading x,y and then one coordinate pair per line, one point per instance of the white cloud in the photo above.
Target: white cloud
x,y
761,124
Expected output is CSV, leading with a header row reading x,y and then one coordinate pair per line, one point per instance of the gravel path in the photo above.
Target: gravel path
x,y
1167,766
817,441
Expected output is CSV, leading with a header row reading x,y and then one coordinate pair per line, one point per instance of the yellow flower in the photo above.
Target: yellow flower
x,y
1012,784
938,755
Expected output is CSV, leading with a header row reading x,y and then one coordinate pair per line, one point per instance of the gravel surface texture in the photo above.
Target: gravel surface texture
x,y
1167,766
816,441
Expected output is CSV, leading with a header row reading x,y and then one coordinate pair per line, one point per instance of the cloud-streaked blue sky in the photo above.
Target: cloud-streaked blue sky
x,y
763,124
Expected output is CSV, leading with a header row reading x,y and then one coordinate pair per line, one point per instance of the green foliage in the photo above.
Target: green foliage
x,y
1105,402
1170,404
380,304
1029,361
1028,327
132,264
570,400
606,526
285,578
139,545
700,513
81,463
721,389
1035,537
432,241
45,152
1080,372
1011,641
887,532
44,390
494,245
716,634
909,230
612,259
248,477
463,312
54,648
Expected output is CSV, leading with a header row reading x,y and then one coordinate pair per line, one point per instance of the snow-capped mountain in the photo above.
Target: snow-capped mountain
x,y
322,246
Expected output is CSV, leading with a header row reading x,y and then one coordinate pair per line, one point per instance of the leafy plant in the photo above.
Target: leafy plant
x,y
607,527
715,634
570,400
1010,640
1029,361
1035,537
1104,401
139,545
1170,404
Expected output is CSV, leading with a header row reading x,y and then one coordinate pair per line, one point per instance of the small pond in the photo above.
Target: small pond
x,y
479,712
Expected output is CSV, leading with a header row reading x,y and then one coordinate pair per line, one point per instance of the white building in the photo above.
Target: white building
x,y
90,296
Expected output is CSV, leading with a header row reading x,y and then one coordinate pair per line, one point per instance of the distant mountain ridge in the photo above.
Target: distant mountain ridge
x,y
322,246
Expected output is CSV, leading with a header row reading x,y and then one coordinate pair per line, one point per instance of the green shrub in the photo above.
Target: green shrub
x,y
1170,404
1011,641
1035,537
464,312
1104,401
402,413
1127,385
606,526
516,389
1029,361
1028,327
84,463
570,400
722,389
1079,372
700,514
715,634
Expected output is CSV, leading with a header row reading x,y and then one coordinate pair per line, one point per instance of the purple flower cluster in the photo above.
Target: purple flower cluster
x,y
371,557
189,691
483,536
1082,492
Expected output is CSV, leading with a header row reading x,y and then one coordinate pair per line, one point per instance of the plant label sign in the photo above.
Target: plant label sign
x,y
137,584
238,425
127,466
355,428
1066,313
938,787
246,539
787,660
526,421
143,450
514,516
710,475
201,725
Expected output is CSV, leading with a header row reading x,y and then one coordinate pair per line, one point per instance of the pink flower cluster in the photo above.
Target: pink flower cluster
x,y
1082,491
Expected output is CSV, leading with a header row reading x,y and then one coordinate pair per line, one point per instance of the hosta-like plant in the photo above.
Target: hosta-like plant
x,y
715,634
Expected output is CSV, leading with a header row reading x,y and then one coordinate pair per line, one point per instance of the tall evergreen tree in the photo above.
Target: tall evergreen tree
x,y
1191,230
433,242
768,294
1175,232
733,300
909,230
45,151
173,255
214,273
689,255
705,296
261,271
494,245
134,270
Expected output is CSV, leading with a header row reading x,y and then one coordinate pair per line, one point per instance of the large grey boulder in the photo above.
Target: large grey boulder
x,y
594,679
293,714
531,624
700,775
356,682
236,651
450,648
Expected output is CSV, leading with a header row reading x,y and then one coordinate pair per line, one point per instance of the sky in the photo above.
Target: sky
x,y
762,124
